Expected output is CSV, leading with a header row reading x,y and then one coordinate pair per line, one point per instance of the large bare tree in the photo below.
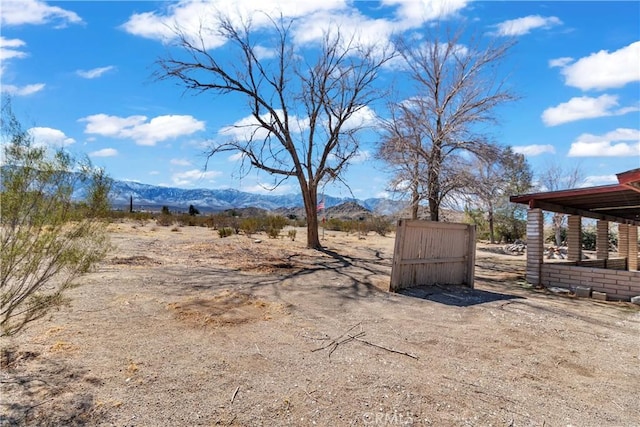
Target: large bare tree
x,y
305,104
456,89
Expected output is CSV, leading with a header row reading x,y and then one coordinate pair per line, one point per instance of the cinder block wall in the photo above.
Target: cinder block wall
x,y
618,284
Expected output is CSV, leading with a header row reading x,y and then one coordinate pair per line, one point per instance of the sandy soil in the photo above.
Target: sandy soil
x,y
183,328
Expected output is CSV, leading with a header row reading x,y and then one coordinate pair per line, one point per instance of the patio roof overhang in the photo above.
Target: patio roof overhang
x,y
617,203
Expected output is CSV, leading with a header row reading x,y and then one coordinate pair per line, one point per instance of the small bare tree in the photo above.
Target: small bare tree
x,y
491,180
47,240
456,90
556,177
304,104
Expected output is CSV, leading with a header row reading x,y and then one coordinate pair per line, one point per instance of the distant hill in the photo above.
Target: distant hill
x,y
151,197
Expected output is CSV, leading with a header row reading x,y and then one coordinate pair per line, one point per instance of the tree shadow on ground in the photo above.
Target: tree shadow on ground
x,y
45,391
453,295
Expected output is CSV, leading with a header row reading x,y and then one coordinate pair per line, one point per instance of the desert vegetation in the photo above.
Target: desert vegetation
x,y
47,240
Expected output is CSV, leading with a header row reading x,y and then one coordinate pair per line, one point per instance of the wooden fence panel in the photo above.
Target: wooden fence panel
x,y
428,253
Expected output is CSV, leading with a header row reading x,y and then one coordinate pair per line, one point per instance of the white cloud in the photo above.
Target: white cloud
x,y
361,156
94,72
414,13
49,136
19,12
560,62
522,26
105,152
594,180
312,19
534,149
193,176
140,130
364,117
604,70
192,16
248,128
8,48
265,188
236,157
180,162
22,90
584,107
621,142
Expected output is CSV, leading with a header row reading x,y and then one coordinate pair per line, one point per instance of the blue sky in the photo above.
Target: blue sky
x,y
80,76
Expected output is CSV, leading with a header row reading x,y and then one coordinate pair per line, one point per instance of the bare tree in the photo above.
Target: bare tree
x,y
491,180
305,106
456,90
556,177
401,150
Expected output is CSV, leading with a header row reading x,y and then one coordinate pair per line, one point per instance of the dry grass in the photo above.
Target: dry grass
x,y
225,309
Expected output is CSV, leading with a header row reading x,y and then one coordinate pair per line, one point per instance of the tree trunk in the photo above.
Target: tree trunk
x,y
310,197
557,226
491,234
434,194
313,238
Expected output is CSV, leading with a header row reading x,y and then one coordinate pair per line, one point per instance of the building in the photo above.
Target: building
x,y
617,276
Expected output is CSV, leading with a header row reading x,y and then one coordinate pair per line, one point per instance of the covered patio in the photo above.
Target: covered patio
x,y
616,276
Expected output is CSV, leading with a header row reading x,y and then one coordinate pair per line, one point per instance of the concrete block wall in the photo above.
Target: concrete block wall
x,y
609,264
618,284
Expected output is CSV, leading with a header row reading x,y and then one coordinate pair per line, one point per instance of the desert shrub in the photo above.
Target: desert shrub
x,y
208,222
589,238
299,222
273,232
185,220
47,239
551,237
277,221
274,225
225,231
292,234
249,226
335,224
165,220
509,230
380,225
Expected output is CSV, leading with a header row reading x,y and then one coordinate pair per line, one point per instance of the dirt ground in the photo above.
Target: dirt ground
x,y
184,328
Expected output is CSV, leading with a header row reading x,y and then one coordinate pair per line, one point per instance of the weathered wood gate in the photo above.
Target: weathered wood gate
x,y
428,253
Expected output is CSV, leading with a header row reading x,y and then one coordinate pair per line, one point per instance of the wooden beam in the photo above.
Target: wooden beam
x,y
552,207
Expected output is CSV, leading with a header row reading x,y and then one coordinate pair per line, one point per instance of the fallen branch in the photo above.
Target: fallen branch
x,y
350,338
334,343
234,394
335,340
391,350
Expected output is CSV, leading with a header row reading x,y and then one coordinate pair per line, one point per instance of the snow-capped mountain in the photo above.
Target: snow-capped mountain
x,y
154,197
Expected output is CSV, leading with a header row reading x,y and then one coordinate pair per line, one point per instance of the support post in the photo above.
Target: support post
x,y
574,241
535,246
633,248
623,242
602,239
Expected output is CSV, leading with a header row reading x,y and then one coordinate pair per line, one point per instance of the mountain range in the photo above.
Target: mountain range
x,y
151,197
